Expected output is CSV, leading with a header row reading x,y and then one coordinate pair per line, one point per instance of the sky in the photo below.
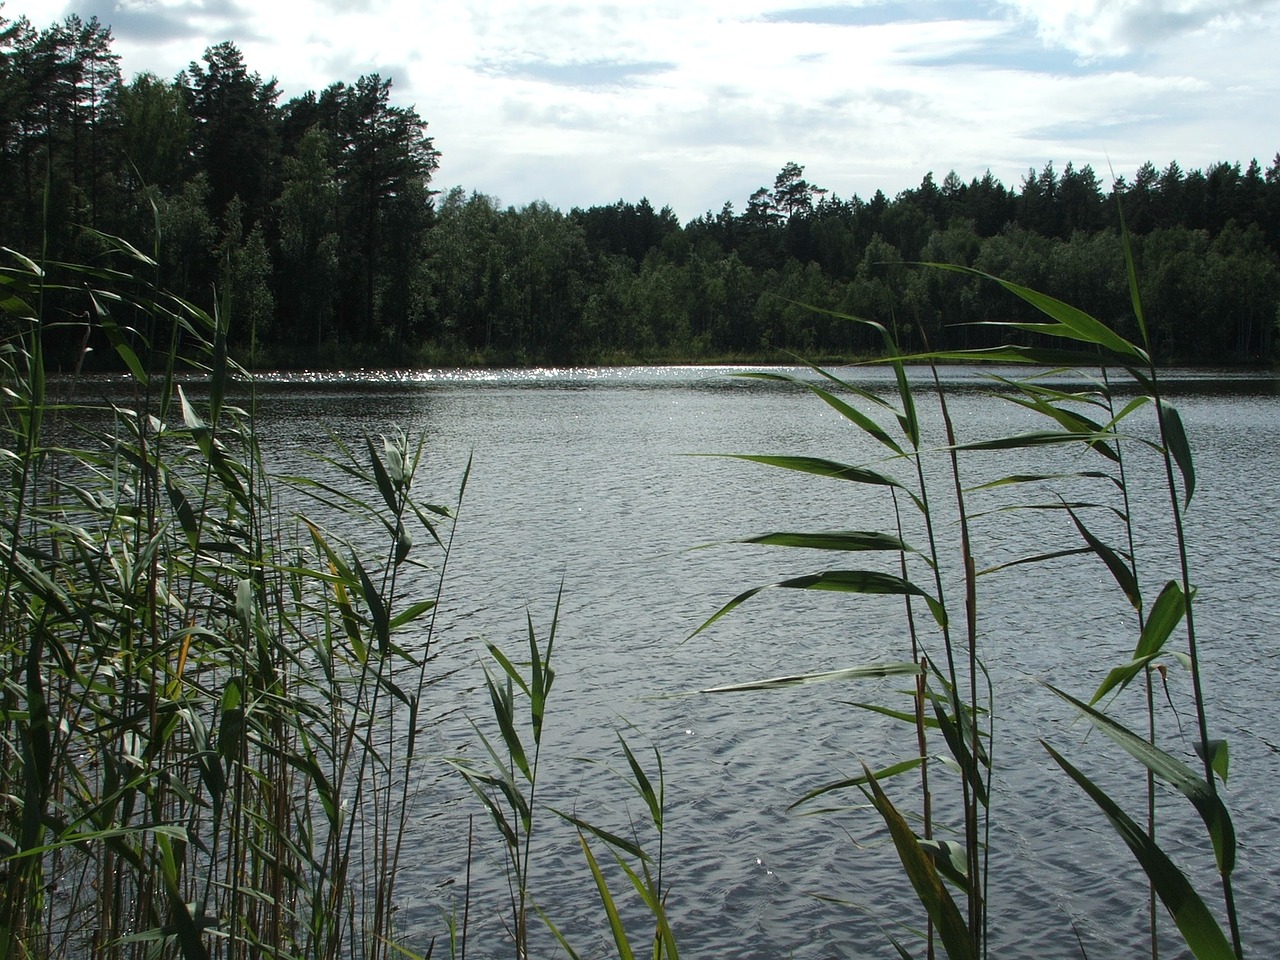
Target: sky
x,y
692,103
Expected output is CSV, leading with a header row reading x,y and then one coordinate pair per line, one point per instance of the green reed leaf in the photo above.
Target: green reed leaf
x,y
377,608
883,773
508,667
411,613
503,702
924,877
1174,772
872,671
382,478
610,908
837,540
1165,615
642,784
1120,568
956,733
1194,921
846,410
612,839
1175,438
818,466
1034,438
903,715
179,910
841,581
1220,759
1084,428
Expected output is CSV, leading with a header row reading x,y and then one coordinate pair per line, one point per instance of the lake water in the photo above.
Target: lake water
x,y
581,476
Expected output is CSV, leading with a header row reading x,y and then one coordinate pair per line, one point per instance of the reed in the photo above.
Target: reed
x,y
210,709
950,708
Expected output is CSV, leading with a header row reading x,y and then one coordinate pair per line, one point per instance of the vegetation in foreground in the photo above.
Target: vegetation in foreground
x,y
213,714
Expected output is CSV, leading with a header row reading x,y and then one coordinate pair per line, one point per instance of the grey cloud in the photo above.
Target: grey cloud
x,y
156,23
874,13
592,74
1137,24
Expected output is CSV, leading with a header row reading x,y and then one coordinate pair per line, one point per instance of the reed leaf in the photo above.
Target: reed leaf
x,y
1174,772
1120,567
1035,438
873,671
1069,322
1194,921
846,410
643,786
1219,759
1165,614
606,899
884,773
621,843
819,467
1175,438
841,581
837,540
925,879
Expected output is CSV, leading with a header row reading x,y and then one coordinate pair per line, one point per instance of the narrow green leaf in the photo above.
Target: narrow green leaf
x,y
1120,570
1166,613
924,877
1194,921
1220,759
606,899
1035,438
1175,438
381,478
621,843
842,581
819,467
849,412
883,773
642,784
836,540
874,671
508,667
377,608
1174,772
182,509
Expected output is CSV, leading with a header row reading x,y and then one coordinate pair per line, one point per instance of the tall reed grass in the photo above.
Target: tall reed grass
x,y
951,743
215,711
210,710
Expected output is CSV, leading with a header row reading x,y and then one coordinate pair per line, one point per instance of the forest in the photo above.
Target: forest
x,y
315,226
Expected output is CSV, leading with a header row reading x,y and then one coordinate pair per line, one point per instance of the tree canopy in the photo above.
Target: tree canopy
x,y
314,221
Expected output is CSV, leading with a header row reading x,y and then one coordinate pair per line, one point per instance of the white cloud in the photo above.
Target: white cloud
x,y
1106,28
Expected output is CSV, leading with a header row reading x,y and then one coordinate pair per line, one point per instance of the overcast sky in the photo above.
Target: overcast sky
x,y
692,103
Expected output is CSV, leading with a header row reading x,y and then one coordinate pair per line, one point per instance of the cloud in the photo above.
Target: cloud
x,y
155,21
1111,28
593,73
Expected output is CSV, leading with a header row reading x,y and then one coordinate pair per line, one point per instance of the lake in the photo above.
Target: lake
x,y
583,477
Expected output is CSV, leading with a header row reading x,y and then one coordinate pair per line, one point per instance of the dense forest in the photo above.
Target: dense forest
x,y
315,221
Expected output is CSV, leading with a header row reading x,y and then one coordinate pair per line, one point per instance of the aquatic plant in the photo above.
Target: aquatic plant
x,y
209,708
954,696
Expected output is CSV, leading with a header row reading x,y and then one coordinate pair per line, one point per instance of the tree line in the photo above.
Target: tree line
x,y
315,221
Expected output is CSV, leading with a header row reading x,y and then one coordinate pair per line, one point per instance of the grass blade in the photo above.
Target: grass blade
x,y
1174,772
924,877
1194,921
874,671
